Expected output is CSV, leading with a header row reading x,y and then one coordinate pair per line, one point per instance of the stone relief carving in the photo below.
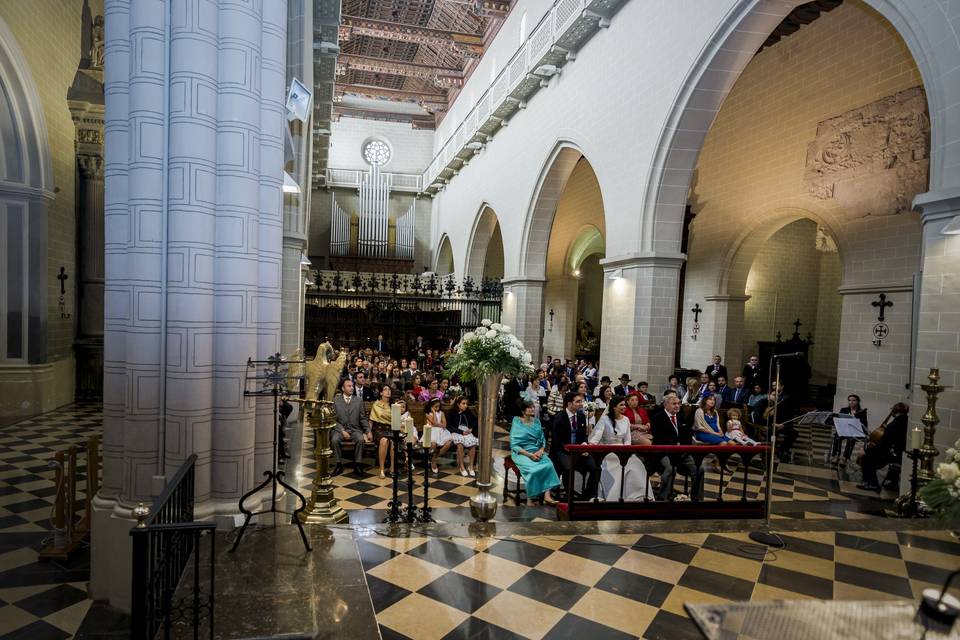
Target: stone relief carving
x,y
872,160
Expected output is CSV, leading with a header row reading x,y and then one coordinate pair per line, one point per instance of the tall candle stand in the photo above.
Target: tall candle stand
x,y
930,420
424,513
410,512
394,514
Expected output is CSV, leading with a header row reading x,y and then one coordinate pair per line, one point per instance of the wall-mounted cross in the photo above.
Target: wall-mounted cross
x,y
696,312
796,327
882,303
63,277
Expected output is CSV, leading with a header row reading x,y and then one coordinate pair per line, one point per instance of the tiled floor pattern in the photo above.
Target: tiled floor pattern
x,y
39,600
47,600
627,586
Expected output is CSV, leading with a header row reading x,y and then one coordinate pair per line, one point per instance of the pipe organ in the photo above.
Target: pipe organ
x,y
367,234
405,228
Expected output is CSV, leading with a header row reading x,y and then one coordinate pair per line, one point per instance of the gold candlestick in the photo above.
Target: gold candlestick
x,y
929,451
323,508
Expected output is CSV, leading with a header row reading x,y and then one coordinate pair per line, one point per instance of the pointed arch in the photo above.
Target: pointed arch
x,y
483,238
444,263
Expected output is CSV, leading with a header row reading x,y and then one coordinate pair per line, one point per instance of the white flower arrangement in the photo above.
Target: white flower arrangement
x,y
942,494
490,348
590,406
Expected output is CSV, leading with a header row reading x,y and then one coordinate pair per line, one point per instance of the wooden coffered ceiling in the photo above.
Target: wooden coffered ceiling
x,y
406,60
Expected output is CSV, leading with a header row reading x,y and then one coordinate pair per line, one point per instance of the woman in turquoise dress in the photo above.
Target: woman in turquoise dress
x,y
528,451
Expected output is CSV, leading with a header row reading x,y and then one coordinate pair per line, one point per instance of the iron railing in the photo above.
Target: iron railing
x,y
350,310
163,544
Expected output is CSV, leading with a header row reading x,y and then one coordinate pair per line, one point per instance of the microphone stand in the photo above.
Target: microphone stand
x,y
765,536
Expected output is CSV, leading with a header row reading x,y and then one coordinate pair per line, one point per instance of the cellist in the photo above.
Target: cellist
x,y
887,449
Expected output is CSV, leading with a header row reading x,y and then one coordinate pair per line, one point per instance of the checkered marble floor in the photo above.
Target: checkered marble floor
x,y
39,600
628,585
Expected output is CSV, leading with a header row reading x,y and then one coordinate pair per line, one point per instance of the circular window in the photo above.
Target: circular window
x,y
376,152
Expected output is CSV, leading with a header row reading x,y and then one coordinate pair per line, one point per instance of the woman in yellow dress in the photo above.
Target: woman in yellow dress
x,y
380,424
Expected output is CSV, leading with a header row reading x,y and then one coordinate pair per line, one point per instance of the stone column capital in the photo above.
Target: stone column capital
x,y
938,205
91,166
523,281
876,287
644,259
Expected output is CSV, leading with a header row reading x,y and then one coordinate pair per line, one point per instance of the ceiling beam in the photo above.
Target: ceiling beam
x,y
469,43
425,121
397,95
347,61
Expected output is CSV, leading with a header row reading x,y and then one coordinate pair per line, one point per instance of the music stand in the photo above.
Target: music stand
x,y
273,383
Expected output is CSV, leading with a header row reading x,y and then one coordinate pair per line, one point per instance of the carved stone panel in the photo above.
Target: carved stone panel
x,y
872,159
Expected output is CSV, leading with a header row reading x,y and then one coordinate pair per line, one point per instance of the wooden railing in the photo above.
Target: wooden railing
x,y
647,508
72,517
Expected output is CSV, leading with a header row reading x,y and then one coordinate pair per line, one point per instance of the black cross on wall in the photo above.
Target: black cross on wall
x,y
882,304
63,277
696,312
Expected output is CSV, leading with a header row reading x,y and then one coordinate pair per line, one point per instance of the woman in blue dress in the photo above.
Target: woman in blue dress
x,y
528,451
706,422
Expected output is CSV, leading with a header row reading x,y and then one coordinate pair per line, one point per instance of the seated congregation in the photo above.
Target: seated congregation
x,y
564,404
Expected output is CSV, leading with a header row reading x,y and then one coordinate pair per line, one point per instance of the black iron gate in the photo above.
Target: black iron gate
x,y
351,310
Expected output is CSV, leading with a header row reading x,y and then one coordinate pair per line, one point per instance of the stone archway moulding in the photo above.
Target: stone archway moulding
x,y
27,112
444,244
714,73
484,224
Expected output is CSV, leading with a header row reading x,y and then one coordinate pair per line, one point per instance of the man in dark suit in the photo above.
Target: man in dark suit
x,y
752,374
380,344
668,428
715,369
737,394
361,389
352,425
624,388
570,427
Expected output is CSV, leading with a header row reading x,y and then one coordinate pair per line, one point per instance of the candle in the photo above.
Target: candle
x,y
916,438
426,435
411,435
395,416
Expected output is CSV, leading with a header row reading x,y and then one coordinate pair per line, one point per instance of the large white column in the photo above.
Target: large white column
x,y
194,102
639,316
523,311
725,332
938,337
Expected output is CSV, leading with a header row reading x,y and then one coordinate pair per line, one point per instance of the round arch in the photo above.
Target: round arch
x,y
554,174
483,238
444,264
25,164
717,69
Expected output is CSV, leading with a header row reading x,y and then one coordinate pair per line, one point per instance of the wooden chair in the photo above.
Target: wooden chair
x,y
510,466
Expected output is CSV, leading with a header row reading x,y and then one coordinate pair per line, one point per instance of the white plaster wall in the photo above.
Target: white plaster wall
x,y
412,148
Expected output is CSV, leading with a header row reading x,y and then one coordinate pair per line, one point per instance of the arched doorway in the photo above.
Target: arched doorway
x,y
444,264
573,291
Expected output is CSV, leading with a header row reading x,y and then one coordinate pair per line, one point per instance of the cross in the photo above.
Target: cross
x,y
882,303
796,327
62,278
696,312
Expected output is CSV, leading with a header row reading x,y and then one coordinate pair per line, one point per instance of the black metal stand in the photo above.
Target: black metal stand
x,y
767,537
273,476
395,515
423,514
911,509
410,512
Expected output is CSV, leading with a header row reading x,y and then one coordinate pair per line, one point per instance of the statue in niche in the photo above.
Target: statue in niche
x,y
96,49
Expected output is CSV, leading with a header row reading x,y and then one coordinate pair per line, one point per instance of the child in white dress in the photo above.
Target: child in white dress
x,y
735,429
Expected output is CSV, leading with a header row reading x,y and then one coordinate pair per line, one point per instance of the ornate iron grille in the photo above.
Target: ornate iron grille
x,y
350,310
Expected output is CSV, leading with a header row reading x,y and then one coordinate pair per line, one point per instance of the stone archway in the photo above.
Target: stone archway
x,y
485,252
444,264
26,185
719,66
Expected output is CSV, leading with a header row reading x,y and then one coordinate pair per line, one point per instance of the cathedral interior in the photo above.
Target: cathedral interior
x,y
252,251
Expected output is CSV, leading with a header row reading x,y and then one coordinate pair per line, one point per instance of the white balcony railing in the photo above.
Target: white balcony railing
x,y
412,182
562,19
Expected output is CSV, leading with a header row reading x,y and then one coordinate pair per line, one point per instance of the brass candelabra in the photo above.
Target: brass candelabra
x,y
930,420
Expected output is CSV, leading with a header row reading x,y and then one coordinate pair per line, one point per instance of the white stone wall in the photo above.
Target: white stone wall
x,y
412,148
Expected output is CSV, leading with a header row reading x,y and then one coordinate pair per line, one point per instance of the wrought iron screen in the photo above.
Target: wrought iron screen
x,y
350,310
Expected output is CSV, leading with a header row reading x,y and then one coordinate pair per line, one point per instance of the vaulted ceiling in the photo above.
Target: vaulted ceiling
x,y
405,60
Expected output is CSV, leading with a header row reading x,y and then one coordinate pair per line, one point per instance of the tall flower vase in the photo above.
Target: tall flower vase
x,y
483,505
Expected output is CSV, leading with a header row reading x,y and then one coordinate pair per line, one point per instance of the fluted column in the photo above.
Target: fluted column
x,y
194,157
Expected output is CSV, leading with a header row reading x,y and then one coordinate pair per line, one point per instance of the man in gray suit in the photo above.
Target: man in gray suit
x,y
352,426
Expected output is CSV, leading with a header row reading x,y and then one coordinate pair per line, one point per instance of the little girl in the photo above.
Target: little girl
x,y
735,429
